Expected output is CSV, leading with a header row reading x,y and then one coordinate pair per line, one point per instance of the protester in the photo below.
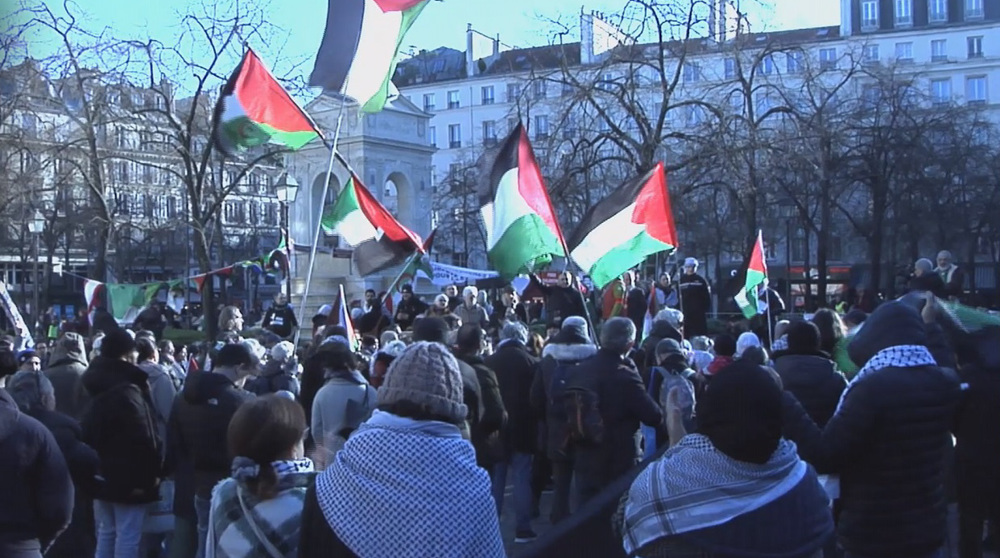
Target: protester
x,y
900,404
36,397
515,368
831,329
613,299
613,384
636,302
470,311
258,510
383,358
485,435
230,321
199,423
451,292
151,319
173,362
725,349
808,373
409,308
358,506
120,425
734,488
36,490
561,300
279,374
667,324
853,321
67,364
746,340
924,278
435,330
29,360
951,275
280,318
696,299
341,405
161,387
672,370
440,308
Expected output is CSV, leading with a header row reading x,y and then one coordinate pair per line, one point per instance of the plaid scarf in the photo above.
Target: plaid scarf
x,y
694,486
900,356
234,534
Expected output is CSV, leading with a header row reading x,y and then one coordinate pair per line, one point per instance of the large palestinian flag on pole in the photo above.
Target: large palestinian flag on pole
x,y
378,239
254,109
522,232
748,299
632,223
360,45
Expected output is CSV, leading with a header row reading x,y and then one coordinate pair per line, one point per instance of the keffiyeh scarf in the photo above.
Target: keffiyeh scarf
x,y
695,486
900,356
396,487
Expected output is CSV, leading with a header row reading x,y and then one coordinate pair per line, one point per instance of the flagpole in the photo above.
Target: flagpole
x,y
402,271
319,221
770,328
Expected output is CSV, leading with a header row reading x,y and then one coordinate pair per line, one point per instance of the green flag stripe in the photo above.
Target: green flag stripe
x,y
377,103
623,257
244,132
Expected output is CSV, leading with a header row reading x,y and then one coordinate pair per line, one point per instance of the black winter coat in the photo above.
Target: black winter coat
x,y
408,310
977,450
560,302
36,492
888,443
120,425
623,404
485,433
515,370
814,381
554,427
472,396
198,425
280,320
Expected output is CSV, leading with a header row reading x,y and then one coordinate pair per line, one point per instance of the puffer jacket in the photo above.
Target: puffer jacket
x,y
67,363
888,442
814,381
554,355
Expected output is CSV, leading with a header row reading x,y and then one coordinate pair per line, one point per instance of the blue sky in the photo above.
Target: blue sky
x,y
519,22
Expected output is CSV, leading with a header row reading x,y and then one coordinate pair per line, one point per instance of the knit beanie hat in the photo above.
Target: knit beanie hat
x,y
741,413
117,343
426,374
574,331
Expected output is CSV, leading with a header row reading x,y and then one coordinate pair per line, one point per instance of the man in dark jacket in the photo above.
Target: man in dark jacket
x,y
36,491
280,318
809,374
559,358
924,278
622,402
199,423
435,330
35,396
485,436
696,299
515,369
666,325
562,300
410,306
636,302
151,318
887,440
66,366
120,425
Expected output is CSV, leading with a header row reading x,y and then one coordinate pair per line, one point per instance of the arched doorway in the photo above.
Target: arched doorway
x,y
397,197
318,204
390,197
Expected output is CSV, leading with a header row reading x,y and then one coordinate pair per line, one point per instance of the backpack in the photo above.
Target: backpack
x,y
584,422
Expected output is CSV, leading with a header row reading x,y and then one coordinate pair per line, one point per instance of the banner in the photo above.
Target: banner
x,y
15,318
444,274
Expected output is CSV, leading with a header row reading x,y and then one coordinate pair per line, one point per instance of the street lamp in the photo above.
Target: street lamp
x,y
35,227
288,189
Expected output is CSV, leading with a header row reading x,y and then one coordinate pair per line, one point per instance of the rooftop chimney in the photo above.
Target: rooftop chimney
x,y
470,66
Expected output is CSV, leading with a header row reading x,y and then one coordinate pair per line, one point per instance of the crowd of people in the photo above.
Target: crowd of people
x,y
834,438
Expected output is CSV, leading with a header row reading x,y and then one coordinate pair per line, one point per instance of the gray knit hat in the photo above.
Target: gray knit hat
x,y
426,374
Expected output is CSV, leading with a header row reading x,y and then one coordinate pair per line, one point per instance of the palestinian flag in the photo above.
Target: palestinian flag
x,y
379,241
748,299
342,316
618,233
360,45
522,233
255,109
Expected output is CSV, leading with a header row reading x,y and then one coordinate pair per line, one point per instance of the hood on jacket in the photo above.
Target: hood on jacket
x,y
105,373
662,329
892,324
571,352
203,386
69,348
152,369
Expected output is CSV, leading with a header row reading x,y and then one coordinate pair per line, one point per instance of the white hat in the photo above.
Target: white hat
x,y
282,351
325,310
690,262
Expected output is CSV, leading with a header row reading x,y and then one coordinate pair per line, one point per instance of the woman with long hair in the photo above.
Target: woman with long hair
x,y
257,512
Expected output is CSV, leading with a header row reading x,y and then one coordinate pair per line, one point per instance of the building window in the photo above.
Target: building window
x,y
730,68
904,52
454,136
975,89
569,132
453,100
766,66
827,58
869,15
694,116
29,122
692,72
904,13
793,62
939,50
147,174
513,92
489,132
762,104
973,9
171,207
488,95
937,11
539,88
121,138
541,127
941,91
871,95
428,102
975,47
871,53
432,136
122,169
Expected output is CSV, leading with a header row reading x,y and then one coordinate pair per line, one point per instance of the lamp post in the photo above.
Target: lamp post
x,y
287,189
787,211
35,227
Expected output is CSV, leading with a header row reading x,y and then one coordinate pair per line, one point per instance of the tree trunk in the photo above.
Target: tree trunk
x,y
203,254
